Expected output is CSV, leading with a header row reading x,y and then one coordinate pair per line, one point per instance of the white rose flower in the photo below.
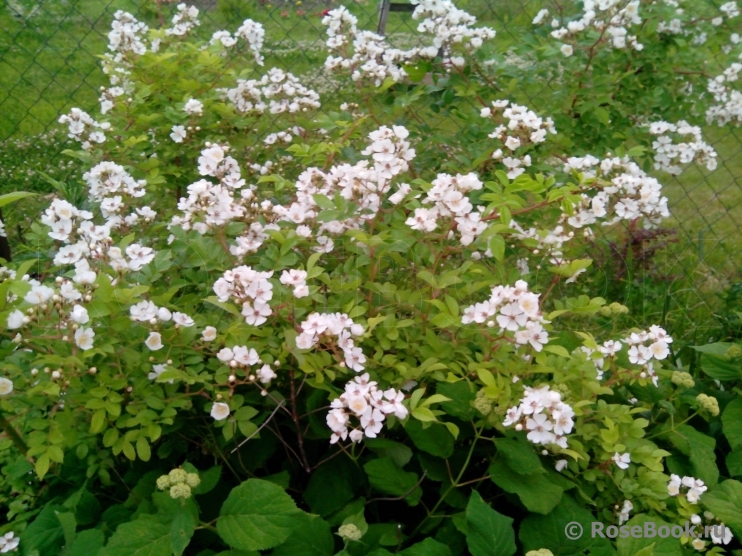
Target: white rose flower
x,y
84,338
15,319
220,411
6,386
209,334
154,341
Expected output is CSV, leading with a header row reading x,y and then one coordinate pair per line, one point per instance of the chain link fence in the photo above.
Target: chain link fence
x,y
49,62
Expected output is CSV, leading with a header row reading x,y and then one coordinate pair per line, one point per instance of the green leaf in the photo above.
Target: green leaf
x,y
547,531
646,551
460,395
396,451
428,547
42,465
700,450
257,515
435,440
661,547
497,247
228,307
721,368
323,202
181,531
87,543
45,533
386,477
734,463
731,421
143,450
725,502
519,456
13,197
69,525
312,538
209,479
331,486
536,492
488,533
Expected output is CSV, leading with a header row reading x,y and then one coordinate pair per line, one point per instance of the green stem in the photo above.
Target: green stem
x,y
453,485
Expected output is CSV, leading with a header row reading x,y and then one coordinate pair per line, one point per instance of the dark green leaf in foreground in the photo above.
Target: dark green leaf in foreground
x,y
257,515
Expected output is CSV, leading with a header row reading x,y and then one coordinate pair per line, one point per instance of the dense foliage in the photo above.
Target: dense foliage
x,y
251,327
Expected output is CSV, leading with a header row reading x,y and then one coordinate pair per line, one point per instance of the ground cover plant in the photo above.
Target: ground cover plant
x,y
248,326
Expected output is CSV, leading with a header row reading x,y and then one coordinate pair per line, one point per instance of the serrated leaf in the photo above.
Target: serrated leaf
x,y
257,515
142,537
312,538
386,477
489,533
181,531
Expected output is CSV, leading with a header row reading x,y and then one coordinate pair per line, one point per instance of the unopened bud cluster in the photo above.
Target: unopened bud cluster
x,y
708,403
682,379
179,482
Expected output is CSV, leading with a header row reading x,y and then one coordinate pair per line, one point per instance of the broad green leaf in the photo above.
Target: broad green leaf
x,y
721,368
435,440
181,531
460,395
725,502
700,450
148,536
717,348
732,422
87,543
489,533
331,486
312,538
396,451
631,546
519,456
428,547
386,477
734,463
257,515
548,531
536,492
69,526
45,533
209,479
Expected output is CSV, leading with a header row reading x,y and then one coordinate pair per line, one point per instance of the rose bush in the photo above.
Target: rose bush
x,y
267,328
